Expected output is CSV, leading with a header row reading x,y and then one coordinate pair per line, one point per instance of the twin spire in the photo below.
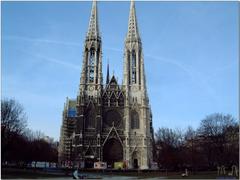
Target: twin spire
x,y
93,35
132,34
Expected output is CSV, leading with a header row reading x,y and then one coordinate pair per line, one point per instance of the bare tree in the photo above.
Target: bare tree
x,y
190,133
169,137
216,124
34,135
13,124
191,158
13,117
215,142
169,144
214,130
20,144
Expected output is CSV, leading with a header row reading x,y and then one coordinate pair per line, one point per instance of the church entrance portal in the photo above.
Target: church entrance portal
x,y
112,152
89,162
135,164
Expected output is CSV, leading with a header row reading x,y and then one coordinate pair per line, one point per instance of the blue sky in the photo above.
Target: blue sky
x,y
190,53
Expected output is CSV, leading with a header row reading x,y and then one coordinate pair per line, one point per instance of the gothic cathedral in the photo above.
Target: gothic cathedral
x,y
109,122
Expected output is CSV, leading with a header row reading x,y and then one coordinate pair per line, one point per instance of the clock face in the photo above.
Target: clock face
x,y
112,118
91,88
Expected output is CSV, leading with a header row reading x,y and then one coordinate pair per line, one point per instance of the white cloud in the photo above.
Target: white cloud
x,y
40,40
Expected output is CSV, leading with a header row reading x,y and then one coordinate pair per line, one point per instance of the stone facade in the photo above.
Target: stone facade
x,y
112,122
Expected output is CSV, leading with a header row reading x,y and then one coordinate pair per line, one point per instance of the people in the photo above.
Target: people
x,y
75,174
185,174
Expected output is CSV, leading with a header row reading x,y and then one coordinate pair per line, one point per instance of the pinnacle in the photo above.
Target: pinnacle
x,y
93,30
133,33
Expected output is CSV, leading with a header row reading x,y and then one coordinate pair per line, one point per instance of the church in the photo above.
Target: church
x,y
109,122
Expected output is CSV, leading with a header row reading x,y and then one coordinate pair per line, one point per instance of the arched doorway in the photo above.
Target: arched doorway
x,y
135,162
112,152
89,158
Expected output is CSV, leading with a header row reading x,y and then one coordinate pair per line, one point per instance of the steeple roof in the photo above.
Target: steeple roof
x,y
113,80
93,30
133,33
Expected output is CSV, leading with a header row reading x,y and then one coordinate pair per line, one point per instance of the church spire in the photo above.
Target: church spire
x,y
93,30
133,33
133,65
91,75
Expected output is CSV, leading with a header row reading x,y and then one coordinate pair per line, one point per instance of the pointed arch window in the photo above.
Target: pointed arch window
x,y
113,100
139,65
105,99
134,120
121,100
133,67
90,117
91,64
129,75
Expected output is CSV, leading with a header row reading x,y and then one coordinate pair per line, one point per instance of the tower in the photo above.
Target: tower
x,y
91,76
137,113
111,122
89,110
